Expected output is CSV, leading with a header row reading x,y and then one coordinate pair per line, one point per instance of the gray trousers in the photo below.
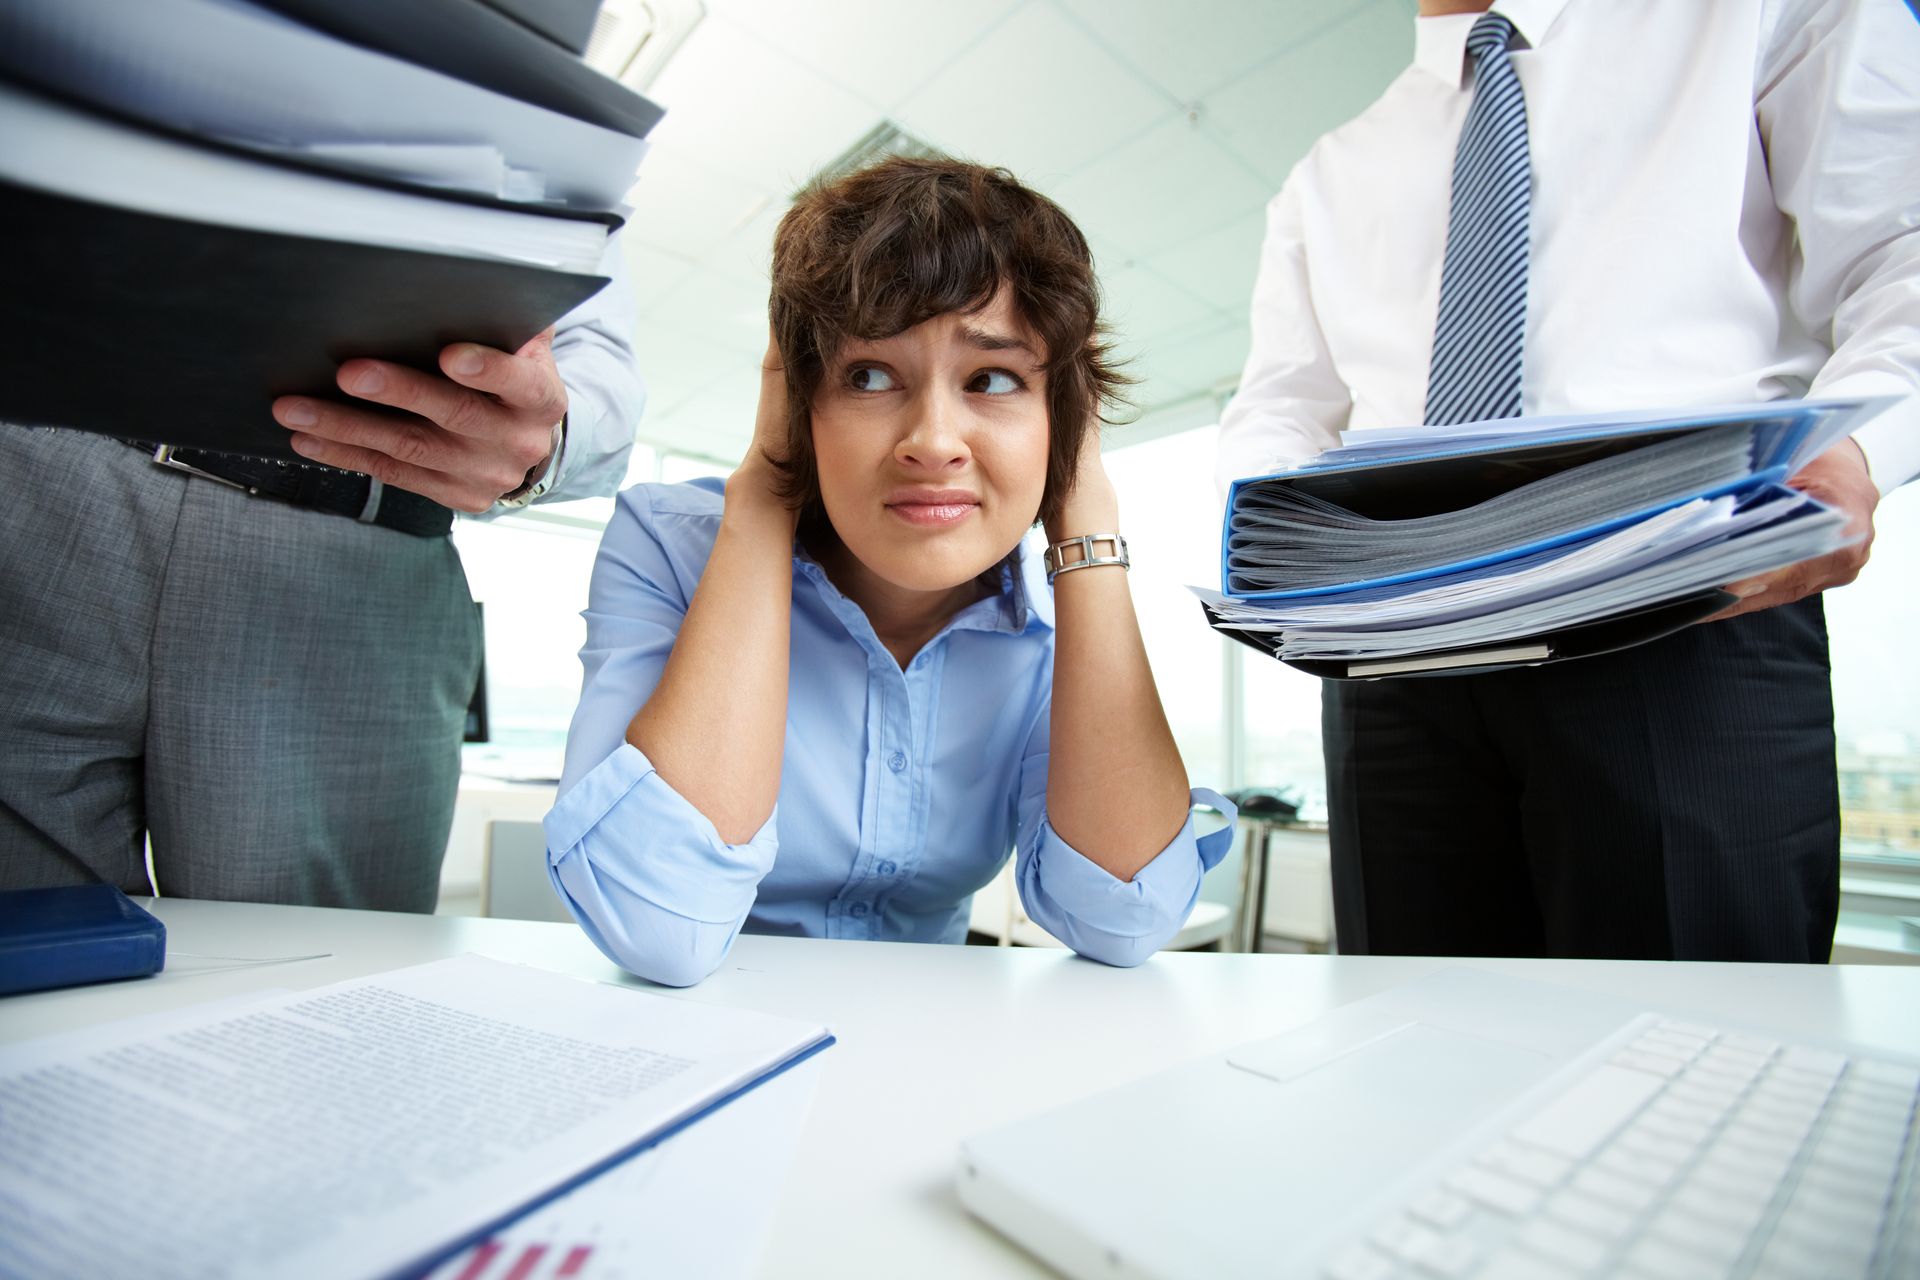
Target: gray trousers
x,y
275,695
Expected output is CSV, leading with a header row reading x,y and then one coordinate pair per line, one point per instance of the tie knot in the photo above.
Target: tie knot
x,y
1492,32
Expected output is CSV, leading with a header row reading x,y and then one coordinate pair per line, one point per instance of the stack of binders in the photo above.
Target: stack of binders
x,y
211,203
1433,550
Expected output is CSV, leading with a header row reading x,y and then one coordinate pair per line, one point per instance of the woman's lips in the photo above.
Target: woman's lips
x,y
933,514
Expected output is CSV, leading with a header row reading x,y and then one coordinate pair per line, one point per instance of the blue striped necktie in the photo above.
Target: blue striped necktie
x,y
1483,279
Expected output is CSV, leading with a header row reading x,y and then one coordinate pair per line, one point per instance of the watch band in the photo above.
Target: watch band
x,y
539,479
1057,563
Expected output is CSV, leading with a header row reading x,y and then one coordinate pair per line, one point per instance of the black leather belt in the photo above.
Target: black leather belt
x,y
339,493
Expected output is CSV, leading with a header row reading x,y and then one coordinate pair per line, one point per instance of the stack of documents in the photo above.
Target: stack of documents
x,y
1520,541
211,203
374,1127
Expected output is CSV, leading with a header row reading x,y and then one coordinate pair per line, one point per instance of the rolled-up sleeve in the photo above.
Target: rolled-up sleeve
x,y
1117,922
645,873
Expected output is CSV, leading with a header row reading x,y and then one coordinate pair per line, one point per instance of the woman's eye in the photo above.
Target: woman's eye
x,y
867,377
995,382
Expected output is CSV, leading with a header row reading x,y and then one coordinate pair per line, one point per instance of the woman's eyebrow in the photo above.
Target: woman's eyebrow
x,y
986,341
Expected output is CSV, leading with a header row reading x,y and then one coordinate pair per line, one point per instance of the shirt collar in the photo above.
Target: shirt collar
x,y
1440,44
1028,594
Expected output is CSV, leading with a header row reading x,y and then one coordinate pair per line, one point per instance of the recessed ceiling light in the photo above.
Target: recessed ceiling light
x,y
632,39
884,139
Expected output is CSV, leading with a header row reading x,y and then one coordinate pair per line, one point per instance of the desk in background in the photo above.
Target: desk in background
x,y
938,1043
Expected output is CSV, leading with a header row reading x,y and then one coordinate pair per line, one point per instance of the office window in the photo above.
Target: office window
x,y
678,468
1282,719
532,578
1876,696
1170,513
531,570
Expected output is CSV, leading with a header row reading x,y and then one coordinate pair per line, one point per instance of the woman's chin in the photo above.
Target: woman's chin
x,y
933,569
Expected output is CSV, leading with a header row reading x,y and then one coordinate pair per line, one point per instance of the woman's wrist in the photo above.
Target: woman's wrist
x,y
1084,513
753,495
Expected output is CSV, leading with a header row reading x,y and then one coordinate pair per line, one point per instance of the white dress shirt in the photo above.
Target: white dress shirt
x,y
1725,202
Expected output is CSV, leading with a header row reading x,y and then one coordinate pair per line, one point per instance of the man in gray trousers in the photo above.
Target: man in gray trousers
x,y
267,668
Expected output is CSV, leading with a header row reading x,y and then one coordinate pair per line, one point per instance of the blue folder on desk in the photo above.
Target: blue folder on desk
x,y
73,935
1400,512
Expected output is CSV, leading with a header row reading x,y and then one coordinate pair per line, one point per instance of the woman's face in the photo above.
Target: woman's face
x,y
932,446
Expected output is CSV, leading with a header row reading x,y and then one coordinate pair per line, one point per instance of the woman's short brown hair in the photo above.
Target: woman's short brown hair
x,y
871,254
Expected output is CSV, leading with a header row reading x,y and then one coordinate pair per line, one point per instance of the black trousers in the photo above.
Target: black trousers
x,y
1675,801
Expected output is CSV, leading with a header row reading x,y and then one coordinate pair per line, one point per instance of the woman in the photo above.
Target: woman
x,y
831,699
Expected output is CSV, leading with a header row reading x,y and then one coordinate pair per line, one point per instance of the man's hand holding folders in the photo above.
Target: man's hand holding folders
x,y
465,437
1840,478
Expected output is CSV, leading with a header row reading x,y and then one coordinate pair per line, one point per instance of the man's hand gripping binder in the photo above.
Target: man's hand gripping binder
x,y
1430,551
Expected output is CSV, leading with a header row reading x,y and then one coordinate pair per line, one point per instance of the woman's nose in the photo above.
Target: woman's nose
x,y
935,439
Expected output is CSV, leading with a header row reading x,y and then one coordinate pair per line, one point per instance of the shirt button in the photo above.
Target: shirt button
x,y
897,761
887,868
857,910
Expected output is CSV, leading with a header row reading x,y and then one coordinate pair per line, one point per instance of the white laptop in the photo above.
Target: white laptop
x,y
1474,1125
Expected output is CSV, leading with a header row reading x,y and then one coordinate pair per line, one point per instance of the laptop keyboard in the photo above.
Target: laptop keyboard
x,y
1687,1154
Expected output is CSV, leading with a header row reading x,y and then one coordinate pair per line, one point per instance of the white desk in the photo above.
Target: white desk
x,y
937,1043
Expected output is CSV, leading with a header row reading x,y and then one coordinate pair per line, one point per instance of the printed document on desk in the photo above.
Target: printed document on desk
x,y
699,1204
373,1127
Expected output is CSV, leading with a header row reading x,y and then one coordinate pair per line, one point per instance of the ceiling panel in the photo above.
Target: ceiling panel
x,y
725,310
678,366
879,50
747,254
751,111
1219,265
1165,186
1141,304
687,207
715,423
1038,96
1192,49
654,272
1272,115
1188,363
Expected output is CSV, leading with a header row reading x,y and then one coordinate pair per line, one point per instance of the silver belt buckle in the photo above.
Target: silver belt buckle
x,y
163,456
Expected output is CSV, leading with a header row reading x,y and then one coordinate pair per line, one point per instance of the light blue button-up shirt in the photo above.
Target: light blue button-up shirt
x,y
901,791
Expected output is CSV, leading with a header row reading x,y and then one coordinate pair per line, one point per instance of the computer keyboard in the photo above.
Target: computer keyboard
x,y
1684,1152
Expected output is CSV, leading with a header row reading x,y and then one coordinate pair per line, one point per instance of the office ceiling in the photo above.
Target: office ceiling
x,y
1162,127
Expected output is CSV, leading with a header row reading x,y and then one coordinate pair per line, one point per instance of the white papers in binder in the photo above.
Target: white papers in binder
x,y
233,71
57,148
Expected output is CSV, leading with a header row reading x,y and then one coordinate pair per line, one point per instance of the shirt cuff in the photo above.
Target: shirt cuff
x,y
1121,922
1891,438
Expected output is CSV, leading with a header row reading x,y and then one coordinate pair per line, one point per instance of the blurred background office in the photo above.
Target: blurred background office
x,y
1163,129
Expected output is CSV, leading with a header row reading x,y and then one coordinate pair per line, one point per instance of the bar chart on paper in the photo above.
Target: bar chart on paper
x,y
698,1204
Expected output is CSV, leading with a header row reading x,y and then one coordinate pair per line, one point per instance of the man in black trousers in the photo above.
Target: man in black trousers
x,y
1570,206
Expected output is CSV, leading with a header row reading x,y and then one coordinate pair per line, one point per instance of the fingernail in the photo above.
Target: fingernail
x,y
468,361
299,413
1751,589
371,379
